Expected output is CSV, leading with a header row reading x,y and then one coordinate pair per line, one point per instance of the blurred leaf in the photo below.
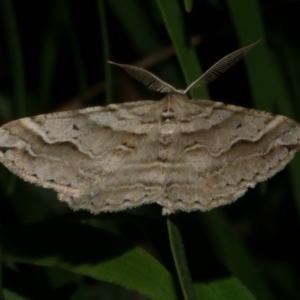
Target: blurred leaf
x,y
249,26
49,55
286,107
133,17
105,43
16,58
179,258
290,64
188,5
223,289
186,54
215,3
10,295
5,108
284,277
233,254
65,12
141,33
263,68
89,251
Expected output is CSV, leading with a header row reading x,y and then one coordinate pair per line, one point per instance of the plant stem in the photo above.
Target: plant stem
x,y
180,260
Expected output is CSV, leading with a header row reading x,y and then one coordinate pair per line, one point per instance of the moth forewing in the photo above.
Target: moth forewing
x,y
184,154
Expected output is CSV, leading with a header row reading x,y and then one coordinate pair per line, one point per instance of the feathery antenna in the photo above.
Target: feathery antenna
x,y
147,78
156,84
220,67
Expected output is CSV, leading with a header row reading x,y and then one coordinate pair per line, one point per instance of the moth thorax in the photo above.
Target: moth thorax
x,y
168,116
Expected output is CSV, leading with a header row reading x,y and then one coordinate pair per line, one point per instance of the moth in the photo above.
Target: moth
x,y
184,154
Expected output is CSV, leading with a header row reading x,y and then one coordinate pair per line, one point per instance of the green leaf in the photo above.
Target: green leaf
x,y
5,107
223,289
234,254
16,57
263,67
89,251
74,43
10,295
249,26
130,13
49,55
188,5
180,260
186,54
106,52
286,107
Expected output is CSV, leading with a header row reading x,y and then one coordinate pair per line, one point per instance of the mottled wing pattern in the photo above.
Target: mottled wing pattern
x,y
229,149
88,156
182,154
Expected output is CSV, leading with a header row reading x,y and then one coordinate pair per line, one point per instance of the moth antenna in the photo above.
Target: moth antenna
x,y
147,78
220,67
